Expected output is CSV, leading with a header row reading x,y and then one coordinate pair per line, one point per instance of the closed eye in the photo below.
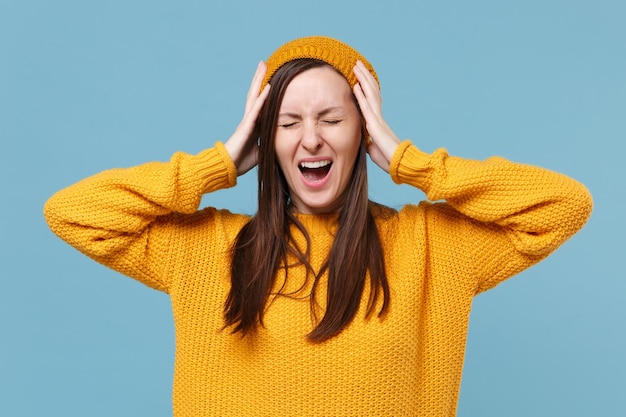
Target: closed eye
x,y
332,122
287,125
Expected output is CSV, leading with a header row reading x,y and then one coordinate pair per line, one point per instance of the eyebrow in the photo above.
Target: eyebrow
x,y
321,113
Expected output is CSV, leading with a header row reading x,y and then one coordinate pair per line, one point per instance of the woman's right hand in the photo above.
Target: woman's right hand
x,y
242,145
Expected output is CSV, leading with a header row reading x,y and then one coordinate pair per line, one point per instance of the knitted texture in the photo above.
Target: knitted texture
x,y
498,218
336,53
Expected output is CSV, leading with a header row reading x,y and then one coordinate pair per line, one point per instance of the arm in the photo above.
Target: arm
x,y
119,217
517,214
504,216
124,218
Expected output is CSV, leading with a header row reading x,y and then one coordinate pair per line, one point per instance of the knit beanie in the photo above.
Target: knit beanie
x,y
338,54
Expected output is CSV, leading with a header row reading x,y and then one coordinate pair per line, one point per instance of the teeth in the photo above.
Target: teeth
x,y
315,164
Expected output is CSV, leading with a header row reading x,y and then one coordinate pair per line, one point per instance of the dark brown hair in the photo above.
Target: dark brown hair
x,y
356,248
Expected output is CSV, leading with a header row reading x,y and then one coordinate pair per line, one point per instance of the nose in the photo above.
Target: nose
x,y
311,139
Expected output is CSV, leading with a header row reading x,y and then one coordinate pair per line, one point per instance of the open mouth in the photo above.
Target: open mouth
x,y
314,171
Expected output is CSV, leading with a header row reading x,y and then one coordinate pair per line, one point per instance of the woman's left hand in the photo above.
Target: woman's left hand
x,y
383,141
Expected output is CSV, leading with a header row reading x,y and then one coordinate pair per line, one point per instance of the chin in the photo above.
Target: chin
x,y
319,206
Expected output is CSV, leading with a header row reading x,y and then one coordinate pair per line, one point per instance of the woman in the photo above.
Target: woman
x,y
323,303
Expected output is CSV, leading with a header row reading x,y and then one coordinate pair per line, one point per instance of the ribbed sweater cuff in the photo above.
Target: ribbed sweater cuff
x,y
409,165
216,169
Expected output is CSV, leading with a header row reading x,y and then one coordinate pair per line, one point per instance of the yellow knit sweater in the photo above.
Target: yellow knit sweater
x,y
497,219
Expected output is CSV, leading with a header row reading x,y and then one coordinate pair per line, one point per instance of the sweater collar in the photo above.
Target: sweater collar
x,y
318,223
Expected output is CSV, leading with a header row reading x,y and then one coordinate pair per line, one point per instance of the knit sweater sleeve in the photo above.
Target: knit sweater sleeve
x,y
120,217
518,213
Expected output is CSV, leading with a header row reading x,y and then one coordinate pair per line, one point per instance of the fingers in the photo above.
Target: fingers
x,y
369,86
241,146
255,100
255,85
364,104
367,94
370,109
254,106
384,141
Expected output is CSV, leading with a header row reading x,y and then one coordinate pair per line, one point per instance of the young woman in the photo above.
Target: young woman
x,y
322,303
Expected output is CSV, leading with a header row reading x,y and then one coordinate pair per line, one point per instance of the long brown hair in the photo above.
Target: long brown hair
x,y
356,248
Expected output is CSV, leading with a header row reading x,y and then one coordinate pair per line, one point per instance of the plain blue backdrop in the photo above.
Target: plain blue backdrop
x,y
86,86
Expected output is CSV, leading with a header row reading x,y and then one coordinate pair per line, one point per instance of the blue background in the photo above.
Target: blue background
x,y
86,86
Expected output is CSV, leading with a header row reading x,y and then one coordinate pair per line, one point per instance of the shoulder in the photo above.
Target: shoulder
x,y
414,217
207,220
381,212
391,222
406,213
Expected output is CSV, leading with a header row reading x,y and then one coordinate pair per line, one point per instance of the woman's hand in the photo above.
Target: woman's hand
x,y
383,141
242,145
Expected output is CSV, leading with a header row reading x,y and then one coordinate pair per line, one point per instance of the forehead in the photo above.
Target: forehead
x,y
318,86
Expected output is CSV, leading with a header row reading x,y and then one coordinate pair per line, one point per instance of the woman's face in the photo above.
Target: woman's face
x,y
317,139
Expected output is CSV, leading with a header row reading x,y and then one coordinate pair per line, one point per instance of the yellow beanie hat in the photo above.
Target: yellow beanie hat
x,y
338,54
